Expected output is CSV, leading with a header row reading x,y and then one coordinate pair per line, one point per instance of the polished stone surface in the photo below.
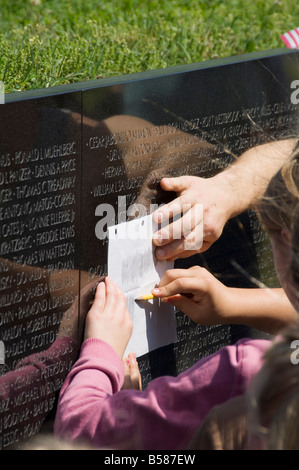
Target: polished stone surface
x,y
67,152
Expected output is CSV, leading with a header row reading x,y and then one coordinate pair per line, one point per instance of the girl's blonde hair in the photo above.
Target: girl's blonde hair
x,y
275,390
279,208
274,394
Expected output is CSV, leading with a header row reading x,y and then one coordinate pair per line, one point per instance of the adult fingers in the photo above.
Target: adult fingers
x,y
177,184
183,248
189,216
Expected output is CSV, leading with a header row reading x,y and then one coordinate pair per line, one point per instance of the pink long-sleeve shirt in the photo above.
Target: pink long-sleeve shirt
x,y
93,408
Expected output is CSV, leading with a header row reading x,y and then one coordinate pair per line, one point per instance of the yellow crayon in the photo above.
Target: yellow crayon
x,y
145,297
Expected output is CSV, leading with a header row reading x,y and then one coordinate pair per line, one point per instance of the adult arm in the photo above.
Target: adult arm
x,y
222,197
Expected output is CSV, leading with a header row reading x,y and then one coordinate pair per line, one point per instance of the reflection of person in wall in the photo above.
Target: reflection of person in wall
x,y
27,393
22,397
48,300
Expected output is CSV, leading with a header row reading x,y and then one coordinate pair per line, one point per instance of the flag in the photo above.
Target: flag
x,y
291,39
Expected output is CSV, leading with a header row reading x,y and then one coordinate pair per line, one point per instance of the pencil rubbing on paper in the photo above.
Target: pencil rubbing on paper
x,y
133,266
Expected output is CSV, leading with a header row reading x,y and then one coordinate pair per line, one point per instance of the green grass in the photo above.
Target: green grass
x,y
49,42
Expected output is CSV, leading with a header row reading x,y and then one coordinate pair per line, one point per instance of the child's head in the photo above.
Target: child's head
x,y
274,396
279,212
275,390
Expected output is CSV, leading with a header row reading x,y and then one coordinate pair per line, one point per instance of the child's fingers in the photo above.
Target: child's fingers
x,y
87,295
115,298
100,297
132,379
182,303
172,274
127,379
134,372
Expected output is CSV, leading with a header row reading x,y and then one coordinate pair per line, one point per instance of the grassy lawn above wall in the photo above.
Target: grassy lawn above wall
x,y
50,42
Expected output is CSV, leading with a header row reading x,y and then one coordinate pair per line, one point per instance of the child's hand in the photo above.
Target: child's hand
x,y
132,374
196,292
109,319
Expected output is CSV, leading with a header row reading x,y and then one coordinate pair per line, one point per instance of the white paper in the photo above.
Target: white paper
x,y
133,266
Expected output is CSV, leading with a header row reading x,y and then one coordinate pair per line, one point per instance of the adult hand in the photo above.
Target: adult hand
x,y
108,318
223,196
206,206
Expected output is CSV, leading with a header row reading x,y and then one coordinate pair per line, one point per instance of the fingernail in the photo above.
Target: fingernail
x,y
132,356
158,237
158,216
156,291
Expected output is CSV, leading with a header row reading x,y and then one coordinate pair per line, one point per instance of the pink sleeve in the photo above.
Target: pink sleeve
x,y
166,414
